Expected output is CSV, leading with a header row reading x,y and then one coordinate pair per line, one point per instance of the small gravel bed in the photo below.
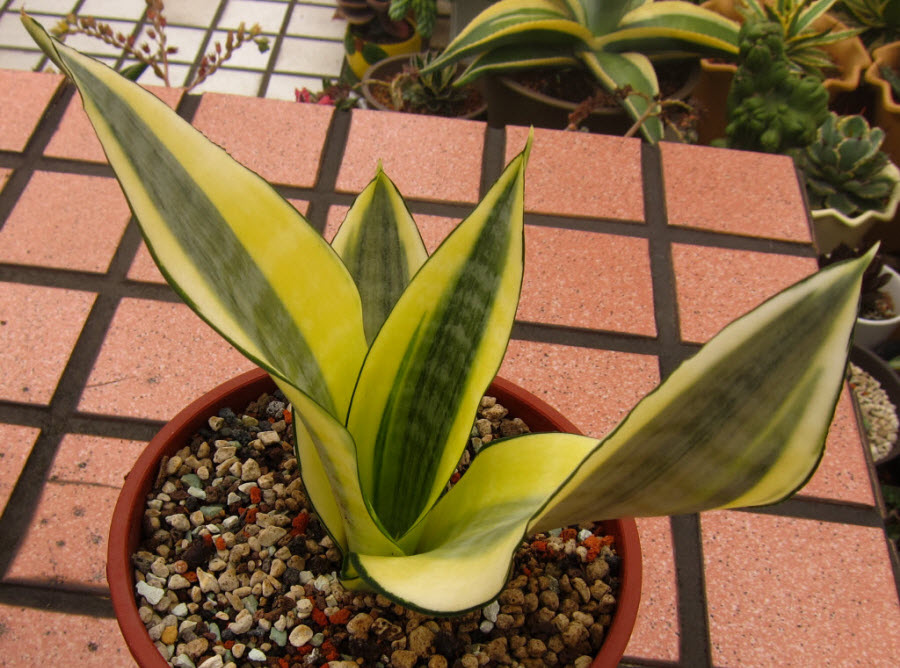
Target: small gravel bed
x,y
879,414
235,571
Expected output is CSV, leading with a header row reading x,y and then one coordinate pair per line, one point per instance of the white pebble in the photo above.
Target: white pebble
x,y
491,610
256,655
300,635
269,437
152,594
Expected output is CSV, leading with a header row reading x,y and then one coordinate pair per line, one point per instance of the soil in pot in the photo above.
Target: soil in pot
x,y
558,97
235,567
577,85
877,306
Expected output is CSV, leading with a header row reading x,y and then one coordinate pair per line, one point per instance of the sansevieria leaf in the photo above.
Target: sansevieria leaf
x,y
381,247
436,354
235,250
741,423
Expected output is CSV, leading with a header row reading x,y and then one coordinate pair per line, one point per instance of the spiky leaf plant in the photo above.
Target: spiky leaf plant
x,y
432,92
384,355
845,168
613,39
803,41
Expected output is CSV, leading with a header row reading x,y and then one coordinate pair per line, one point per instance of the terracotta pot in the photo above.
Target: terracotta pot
x,y
849,55
886,111
511,103
362,54
832,228
385,70
125,529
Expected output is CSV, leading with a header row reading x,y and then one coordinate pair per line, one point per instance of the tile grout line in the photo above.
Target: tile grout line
x,y
322,195
34,149
693,621
87,602
276,50
23,501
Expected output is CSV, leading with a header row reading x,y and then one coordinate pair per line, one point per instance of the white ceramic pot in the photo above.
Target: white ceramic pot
x,y
832,228
871,333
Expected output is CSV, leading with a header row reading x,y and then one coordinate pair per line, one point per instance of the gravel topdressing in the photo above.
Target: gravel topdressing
x,y
879,414
235,570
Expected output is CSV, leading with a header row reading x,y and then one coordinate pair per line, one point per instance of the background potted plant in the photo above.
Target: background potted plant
x,y
398,83
851,185
817,44
879,305
771,107
384,354
613,42
373,33
883,76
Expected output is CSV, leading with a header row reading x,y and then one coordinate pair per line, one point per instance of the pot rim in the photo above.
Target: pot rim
x,y
125,525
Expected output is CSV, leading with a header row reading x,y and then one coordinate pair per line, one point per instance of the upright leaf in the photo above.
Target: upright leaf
x,y
436,354
380,245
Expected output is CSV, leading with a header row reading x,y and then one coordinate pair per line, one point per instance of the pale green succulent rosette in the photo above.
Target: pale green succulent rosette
x,y
384,354
614,39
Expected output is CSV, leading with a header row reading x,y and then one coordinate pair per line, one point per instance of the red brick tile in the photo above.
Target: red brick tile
x,y
428,157
434,229
281,141
66,541
16,442
23,97
68,221
38,329
34,637
586,279
656,630
843,474
808,593
75,138
157,358
581,174
94,460
717,285
595,389
736,192
144,269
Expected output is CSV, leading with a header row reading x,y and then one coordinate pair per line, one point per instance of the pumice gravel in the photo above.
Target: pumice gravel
x,y
234,570
879,414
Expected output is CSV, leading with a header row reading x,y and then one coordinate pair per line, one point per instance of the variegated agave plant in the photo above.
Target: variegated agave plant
x,y
385,353
614,39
